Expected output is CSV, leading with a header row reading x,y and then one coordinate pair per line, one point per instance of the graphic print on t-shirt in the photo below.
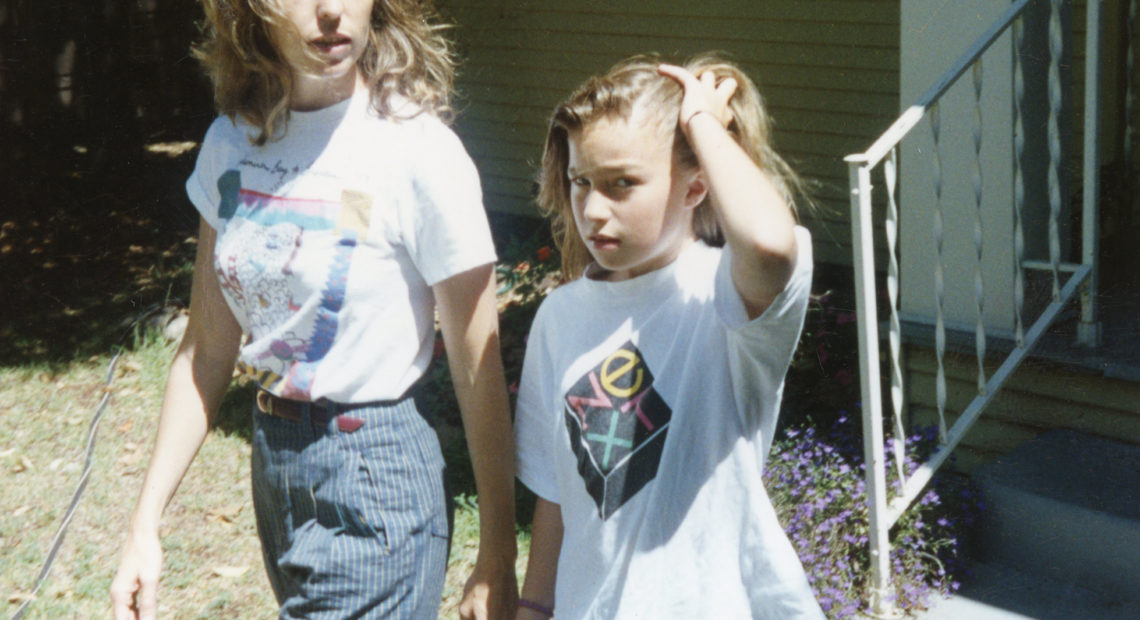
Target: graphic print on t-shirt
x,y
617,423
258,253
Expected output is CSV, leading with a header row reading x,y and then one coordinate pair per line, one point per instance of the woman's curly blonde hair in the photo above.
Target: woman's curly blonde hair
x,y
636,84
406,54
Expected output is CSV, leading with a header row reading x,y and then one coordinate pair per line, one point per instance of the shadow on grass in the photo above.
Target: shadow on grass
x,y
86,250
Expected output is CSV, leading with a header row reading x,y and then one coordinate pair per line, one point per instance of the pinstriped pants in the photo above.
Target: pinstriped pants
x,y
352,525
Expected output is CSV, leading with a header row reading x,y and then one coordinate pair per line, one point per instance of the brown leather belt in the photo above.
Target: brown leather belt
x,y
319,412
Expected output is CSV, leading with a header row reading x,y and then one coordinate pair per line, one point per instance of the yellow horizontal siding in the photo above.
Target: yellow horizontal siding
x,y
828,70
1039,397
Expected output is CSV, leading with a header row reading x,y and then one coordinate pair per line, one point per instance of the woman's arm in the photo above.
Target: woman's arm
x,y
197,381
758,223
470,326
542,565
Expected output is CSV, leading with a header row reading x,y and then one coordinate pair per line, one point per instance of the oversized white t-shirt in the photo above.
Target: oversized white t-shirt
x,y
330,239
646,411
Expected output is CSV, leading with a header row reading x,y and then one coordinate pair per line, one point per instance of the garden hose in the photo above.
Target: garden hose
x,y
92,429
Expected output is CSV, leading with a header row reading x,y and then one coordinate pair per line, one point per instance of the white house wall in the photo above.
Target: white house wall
x,y
933,35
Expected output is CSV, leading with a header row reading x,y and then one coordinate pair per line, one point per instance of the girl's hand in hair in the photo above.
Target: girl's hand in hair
x,y
757,222
703,93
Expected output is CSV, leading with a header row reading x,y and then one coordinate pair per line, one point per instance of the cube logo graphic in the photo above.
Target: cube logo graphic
x,y
617,424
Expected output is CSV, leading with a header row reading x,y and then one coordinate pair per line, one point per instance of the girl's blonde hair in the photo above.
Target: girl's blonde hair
x,y
405,54
636,84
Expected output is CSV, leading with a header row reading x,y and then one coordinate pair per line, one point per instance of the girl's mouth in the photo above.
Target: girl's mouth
x,y
602,242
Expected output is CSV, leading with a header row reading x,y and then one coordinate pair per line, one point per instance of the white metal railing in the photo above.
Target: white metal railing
x,y
1069,279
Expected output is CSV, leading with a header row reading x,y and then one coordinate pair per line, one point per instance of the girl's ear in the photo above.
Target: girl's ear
x,y
698,189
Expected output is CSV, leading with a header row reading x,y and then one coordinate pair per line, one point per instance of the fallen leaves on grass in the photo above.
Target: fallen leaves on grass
x,y
230,572
225,514
22,465
16,598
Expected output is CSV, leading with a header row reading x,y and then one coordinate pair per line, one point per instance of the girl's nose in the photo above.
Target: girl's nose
x,y
595,206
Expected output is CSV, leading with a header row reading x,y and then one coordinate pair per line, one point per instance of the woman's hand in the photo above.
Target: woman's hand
x,y
491,591
134,589
702,94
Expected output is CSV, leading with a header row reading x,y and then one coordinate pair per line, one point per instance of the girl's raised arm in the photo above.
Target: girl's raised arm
x,y
757,222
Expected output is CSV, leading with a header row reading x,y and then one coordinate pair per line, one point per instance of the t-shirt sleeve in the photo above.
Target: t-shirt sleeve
x,y
760,350
535,423
448,229
202,186
786,310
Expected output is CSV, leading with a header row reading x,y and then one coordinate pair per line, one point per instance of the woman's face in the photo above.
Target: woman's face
x,y
322,42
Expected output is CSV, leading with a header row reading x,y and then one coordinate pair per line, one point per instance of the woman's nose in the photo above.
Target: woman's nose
x,y
329,11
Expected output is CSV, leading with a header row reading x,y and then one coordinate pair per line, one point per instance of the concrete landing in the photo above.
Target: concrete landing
x,y
1000,593
1060,538
1066,506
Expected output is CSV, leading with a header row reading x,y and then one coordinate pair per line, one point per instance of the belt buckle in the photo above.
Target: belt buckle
x,y
264,402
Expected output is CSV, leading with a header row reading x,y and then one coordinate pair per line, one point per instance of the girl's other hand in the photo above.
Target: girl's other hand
x,y
702,94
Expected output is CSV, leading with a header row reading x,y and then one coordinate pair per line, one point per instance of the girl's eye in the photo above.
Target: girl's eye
x,y
580,181
624,182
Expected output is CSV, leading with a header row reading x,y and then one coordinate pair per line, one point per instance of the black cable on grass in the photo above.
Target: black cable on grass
x,y
57,542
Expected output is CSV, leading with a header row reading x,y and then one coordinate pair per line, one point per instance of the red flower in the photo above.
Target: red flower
x,y
544,253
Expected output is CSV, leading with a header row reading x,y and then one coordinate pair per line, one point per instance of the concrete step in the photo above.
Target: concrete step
x,y
997,592
1066,507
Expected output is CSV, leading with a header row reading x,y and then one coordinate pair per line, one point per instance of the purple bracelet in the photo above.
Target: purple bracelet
x,y
540,608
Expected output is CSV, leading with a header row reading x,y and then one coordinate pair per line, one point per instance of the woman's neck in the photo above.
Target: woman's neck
x,y
316,93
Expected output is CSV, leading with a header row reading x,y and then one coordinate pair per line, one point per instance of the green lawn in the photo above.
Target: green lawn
x,y
213,561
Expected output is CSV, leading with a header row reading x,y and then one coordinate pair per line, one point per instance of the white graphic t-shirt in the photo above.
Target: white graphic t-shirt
x,y
646,410
330,239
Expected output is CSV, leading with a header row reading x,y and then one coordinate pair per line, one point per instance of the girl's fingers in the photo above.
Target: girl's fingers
x,y
680,74
727,88
702,93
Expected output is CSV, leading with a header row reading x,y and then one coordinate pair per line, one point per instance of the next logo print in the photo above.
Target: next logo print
x,y
617,424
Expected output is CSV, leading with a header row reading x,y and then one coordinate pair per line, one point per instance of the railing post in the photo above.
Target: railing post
x,y
882,602
1089,330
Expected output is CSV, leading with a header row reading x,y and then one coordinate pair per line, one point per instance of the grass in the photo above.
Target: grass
x,y
212,561
212,558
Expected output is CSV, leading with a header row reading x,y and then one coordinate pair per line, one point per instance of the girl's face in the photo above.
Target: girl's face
x,y
632,202
322,42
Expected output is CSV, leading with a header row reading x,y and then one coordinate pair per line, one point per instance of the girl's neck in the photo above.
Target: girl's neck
x,y
314,93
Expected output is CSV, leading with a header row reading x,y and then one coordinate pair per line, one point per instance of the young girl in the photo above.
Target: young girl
x,y
652,382
337,213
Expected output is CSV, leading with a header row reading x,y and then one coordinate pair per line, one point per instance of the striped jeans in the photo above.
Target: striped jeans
x,y
352,525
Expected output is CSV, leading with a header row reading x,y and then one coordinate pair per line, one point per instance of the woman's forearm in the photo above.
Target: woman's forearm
x,y
196,383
